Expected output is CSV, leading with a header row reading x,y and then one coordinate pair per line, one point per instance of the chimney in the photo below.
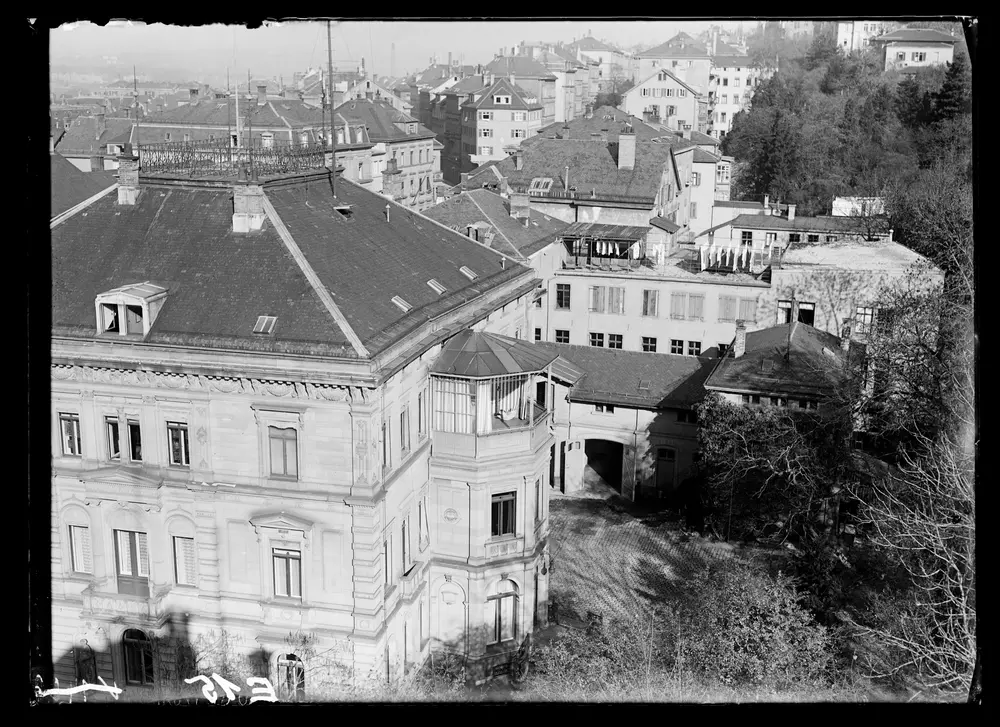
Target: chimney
x,y
465,177
518,159
101,126
590,111
626,148
386,211
513,79
740,342
767,205
261,94
193,95
128,177
97,164
519,207
791,212
890,234
845,335
248,206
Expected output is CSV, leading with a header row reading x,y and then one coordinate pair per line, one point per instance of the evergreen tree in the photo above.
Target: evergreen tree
x,y
823,50
912,105
955,96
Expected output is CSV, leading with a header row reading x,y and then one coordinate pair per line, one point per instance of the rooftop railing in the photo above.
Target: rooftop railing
x,y
581,195
207,158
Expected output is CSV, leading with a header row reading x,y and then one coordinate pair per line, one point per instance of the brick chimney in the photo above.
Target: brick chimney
x,y
740,342
248,207
261,94
128,177
845,335
626,148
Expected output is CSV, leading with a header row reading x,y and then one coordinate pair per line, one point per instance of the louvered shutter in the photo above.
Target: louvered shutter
x,y
677,305
727,308
143,551
124,553
184,560
82,556
748,310
696,306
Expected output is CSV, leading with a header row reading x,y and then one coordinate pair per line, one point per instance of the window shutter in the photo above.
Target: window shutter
x,y
491,620
696,305
124,553
143,551
727,308
291,456
677,305
184,560
82,556
617,300
748,309
295,568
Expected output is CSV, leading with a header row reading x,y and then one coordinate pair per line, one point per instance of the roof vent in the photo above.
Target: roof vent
x,y
265,325
345,211
436,286
468,272
402,304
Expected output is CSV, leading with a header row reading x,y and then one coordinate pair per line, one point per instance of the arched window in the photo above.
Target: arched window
x,y
501,612
138,657
291,677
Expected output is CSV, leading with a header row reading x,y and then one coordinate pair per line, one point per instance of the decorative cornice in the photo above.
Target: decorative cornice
x,y
221,384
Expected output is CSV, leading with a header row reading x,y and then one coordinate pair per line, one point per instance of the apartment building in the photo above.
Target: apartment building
x,y
731,86
663,98
496,120
856,35
915,48
683,56
92,143
531,76
244,397
611,64
400,137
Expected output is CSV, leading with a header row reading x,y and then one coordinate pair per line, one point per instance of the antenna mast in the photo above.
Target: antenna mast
x,y
333,124
229,120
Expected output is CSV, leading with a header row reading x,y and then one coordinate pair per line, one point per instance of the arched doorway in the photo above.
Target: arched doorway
x,y
604,465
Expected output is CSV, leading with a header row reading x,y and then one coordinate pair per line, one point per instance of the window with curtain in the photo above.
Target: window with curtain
x,y
748,310
696,307
454,405
597,298
650,298
616,301
728,308
506,397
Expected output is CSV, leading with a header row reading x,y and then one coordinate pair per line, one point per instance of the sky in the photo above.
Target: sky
x,y
283,48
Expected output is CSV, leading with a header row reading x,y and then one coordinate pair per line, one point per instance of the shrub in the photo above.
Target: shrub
x,y
741,626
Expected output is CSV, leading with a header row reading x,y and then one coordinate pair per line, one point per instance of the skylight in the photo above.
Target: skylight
x,y
402,304
436,286
468,272
345,211
265,324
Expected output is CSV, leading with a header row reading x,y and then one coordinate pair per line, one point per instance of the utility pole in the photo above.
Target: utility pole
x,y
333,124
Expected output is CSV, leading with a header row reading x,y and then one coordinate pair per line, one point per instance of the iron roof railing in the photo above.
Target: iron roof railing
x,y
206,158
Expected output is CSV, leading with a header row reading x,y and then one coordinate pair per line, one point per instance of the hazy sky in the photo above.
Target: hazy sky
x,y
290,46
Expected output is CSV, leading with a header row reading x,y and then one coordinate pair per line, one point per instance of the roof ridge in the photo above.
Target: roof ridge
x,y
65,215
317,285
486,214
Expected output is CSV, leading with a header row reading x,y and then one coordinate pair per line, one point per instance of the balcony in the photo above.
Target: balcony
x,y
503,438
582,196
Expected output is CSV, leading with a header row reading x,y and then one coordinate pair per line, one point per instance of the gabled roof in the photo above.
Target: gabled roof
x,y
703,157
503,87
81,137
810,365
632,378
657,72
699,138
481,205
477,354
71,186
681,45
664,224
592,44
519,66
437,72
584,128
593,167
180,233
380,118
472,84
915,35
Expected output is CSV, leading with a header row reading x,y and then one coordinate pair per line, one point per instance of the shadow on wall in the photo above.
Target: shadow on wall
x,y
150,665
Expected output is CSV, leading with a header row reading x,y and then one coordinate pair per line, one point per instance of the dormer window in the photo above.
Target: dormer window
x,y
265,325
503,100
129,310
540,185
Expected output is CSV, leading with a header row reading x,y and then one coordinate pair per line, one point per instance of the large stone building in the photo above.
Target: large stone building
x,y
530,75
496,120
664,98
683,56
245,392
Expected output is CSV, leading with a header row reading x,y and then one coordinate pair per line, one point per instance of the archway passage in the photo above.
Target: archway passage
x,y
604,465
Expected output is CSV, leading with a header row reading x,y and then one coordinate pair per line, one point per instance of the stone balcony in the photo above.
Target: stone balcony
x,y
513,437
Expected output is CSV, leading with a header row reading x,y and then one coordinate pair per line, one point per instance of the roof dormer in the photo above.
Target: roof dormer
x,y
130,309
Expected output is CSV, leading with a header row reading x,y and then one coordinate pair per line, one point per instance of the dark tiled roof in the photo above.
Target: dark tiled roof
x,y
634,379
519,66
677,47
916,35
221,113
480,205
380,118
377,260
724,49
180,236
815,360
481,355
81,137
699,138
597,231
436,73
586,128
593,166
658,71
800,224
504,87
592,44
70,186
